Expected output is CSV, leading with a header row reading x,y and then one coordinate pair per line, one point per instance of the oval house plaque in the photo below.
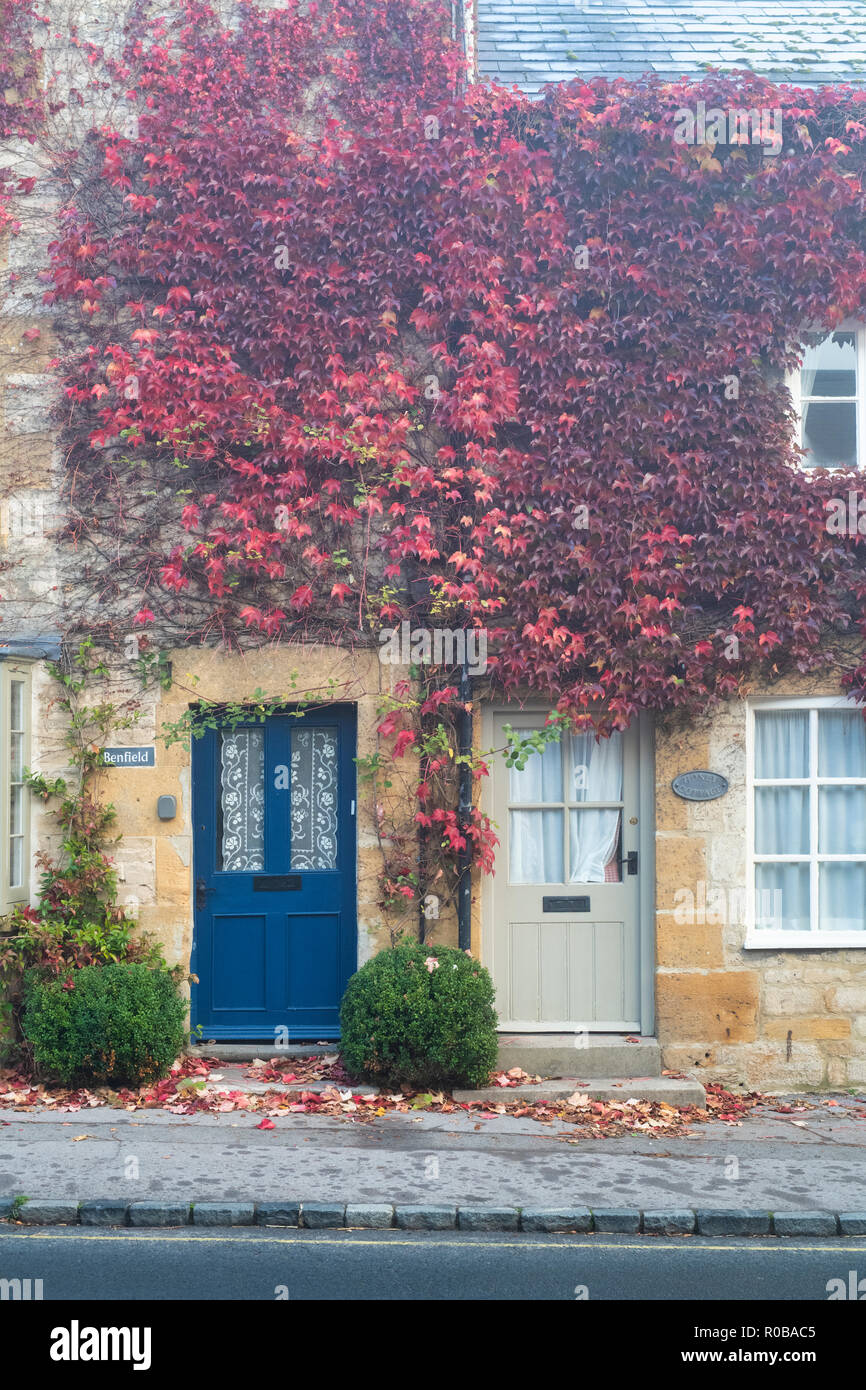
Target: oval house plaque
x,y
700,786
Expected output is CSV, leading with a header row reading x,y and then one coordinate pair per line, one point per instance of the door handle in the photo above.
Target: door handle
x,y
200,893
630,861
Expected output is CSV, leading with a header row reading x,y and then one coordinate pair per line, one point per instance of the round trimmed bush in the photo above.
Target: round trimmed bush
x,y
420,1015
119,1024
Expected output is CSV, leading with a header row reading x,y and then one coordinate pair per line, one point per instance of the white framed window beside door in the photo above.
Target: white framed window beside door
x,y
806,824
14,800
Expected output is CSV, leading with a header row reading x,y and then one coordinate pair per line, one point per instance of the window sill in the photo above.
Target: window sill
x,y
804,941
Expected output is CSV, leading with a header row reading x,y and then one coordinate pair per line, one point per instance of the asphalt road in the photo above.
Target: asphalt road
x,y
361,1265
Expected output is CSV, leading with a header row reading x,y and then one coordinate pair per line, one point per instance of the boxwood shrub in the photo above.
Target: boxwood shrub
x,y
422,1016
103,1024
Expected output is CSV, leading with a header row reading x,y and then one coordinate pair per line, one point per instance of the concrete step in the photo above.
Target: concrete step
x,y
672,1090
249,1052
233,1079
590,1055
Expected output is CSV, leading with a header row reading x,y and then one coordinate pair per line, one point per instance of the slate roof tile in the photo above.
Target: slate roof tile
x,y
803,42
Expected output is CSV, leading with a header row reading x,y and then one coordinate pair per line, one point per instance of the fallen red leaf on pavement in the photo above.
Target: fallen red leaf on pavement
x,y
589,1119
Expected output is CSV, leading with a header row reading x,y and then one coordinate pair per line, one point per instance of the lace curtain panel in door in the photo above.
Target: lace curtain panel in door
x,y
594,773
242,798
314,799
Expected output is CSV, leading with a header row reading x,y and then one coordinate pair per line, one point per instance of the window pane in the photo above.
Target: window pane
x,y
782,897
16,810
842,897
829,366
781,820
541,779
16,863
314,798
595,768
842,820
16,757
594,846
242,800
782,744
16,704
830,433
841,744
535,847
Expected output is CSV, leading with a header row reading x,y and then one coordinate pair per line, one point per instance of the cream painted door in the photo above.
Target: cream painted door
x,y
565,943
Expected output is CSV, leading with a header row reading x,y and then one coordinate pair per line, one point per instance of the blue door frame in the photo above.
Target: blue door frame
x,y
274,945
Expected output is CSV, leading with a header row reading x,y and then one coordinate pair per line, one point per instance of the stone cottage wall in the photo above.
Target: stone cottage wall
x,y
775,1019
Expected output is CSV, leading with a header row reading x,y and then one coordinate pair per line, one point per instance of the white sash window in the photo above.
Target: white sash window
x,y
807,831
829,395
14,807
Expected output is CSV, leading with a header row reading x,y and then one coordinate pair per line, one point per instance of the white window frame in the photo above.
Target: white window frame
x,y
768,939
13,671
794,383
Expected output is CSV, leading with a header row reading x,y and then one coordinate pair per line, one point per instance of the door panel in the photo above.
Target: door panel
x,y
565,898
275,879
238,962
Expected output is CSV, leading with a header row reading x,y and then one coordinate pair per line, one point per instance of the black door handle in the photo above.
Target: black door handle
x,y
631,861
200,893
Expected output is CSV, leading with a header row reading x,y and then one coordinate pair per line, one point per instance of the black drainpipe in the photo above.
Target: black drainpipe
x,y
464,812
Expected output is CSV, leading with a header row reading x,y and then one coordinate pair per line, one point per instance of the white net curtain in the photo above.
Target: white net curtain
x,y
567,775
810,807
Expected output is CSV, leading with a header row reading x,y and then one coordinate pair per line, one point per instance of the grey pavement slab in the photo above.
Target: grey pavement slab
x,y
810,1160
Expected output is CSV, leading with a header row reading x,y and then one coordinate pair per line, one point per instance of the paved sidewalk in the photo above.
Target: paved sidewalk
x,y
813,1159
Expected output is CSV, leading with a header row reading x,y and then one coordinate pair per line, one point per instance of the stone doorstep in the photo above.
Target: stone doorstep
x,y
248,1087
428,1216
591,1055
250,1052
670,1090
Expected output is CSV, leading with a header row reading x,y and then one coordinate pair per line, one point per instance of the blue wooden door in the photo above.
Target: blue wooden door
x,y
274,876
